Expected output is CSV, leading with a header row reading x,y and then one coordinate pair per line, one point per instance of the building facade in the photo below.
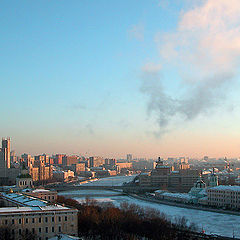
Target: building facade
x,y
43,194
69,160
27,214
5,155
224,196
96,161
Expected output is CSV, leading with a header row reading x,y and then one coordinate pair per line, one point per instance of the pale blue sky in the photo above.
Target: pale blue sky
x,y
71,76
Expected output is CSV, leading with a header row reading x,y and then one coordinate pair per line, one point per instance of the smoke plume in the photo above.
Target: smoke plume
x,y
205,51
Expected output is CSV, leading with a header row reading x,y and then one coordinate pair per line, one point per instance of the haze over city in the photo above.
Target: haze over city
x,y
112,77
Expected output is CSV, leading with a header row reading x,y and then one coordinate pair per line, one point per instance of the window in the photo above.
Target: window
x,y
19,221
26,231
13,221
13,232
52,229
59,219
46,229
26,220
65,218
46,219
33,220
40,220
6,221
52,219
20,231
59,229
40,230
33,230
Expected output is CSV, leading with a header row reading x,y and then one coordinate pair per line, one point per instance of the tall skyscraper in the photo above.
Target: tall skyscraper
x,y
5,153
129,157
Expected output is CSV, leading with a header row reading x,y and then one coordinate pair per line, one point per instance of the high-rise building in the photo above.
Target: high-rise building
x,y
69,160
96,161
58,159
110,161
13,157
5,153
129,157
28,159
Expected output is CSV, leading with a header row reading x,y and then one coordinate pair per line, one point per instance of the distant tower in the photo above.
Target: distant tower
x,y
213,181
129,157
5,153
159,162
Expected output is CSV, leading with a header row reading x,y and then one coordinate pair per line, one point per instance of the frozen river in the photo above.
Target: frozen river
x,y
211,222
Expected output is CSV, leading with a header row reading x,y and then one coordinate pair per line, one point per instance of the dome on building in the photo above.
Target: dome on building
x,y
198,187
200,184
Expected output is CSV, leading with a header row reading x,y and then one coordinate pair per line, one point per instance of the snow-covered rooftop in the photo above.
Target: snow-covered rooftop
x,y
160,191
64,237
228,188
40,190
28,202
178,195
203,192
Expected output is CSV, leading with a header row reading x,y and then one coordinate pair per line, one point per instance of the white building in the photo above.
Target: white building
x,y
224,196
24,213
174,197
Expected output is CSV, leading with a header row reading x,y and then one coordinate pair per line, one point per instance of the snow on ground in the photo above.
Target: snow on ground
x,y
211,222
88,193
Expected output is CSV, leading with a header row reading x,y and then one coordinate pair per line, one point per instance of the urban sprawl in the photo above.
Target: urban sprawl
x,y
30,186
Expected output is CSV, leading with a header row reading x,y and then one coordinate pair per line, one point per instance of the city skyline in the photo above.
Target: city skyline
x,y
108,78
127,156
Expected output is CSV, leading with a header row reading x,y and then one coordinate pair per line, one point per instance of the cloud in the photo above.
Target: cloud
x,y
137,32
207,37
151,67
205,49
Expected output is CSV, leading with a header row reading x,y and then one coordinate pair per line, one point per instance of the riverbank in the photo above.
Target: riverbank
x,y
182,205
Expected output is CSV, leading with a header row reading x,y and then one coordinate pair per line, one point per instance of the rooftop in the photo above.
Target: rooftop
x,y
178,195
64,237
28,203
226,188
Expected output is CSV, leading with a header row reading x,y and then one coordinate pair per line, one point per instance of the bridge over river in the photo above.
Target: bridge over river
x,y
124,188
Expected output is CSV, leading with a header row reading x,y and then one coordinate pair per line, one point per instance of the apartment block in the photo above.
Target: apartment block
x,y
29,214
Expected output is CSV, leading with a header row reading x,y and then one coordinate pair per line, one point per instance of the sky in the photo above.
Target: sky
x,y
147,77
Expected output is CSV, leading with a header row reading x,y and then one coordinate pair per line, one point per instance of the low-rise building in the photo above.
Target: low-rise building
x,y
224,196
43,194
175,197
63,175
27,214
24,181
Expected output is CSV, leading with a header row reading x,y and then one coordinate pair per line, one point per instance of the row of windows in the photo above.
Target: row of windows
x,y
49,197
224,196
224,192
33,220
223,200
40,230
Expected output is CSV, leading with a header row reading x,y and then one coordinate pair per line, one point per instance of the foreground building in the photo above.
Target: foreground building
x,y
27,214
43,194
